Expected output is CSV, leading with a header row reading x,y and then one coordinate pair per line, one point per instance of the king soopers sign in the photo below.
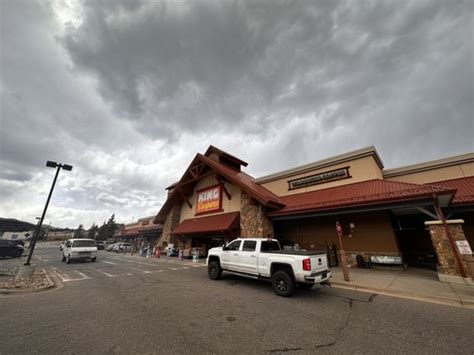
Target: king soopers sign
x,y
208,199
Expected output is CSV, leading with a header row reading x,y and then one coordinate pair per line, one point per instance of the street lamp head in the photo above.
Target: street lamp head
x,y
67,167
51,164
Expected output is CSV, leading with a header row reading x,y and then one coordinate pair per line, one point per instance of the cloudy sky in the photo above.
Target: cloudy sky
x,y
129,91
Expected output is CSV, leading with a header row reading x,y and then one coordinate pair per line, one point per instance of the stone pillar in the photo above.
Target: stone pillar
x,y
171,222
448,269
253,220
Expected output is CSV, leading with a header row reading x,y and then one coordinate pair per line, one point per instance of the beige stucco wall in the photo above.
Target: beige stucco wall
x,y
361,169
439,174
232,205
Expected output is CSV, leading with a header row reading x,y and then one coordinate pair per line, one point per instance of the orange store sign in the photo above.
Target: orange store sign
x,y
209,199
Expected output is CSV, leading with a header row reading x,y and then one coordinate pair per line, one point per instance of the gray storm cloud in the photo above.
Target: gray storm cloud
x,y
128,92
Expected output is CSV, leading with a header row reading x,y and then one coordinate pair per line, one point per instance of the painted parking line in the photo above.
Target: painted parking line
x,y
136,269
104,273
108,262
83,276
63,277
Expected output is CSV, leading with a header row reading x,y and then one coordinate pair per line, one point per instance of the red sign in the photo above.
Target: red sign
x,y
209,199
338,228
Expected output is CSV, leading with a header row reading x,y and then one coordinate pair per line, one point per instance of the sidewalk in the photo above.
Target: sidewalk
x,y
418,284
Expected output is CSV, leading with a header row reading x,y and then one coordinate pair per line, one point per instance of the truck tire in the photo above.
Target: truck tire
x,y
283,284
214,270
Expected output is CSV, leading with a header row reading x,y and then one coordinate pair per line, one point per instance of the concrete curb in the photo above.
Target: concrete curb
x,y
412,296
50,285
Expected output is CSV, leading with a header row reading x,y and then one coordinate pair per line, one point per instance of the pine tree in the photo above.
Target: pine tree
x,y
111,226
79,232
93,231
102,232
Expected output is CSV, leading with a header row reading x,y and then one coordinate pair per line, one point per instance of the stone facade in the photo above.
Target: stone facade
x,y
171,222
253,220
446,258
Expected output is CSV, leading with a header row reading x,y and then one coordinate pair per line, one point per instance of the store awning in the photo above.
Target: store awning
x,y
213,224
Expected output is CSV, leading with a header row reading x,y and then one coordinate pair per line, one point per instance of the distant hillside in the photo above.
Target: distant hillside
x,y
14,225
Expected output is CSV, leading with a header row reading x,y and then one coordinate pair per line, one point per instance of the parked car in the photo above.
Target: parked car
x,y
120,247
100,245
10,249
19,242
110,247
263,259
79,249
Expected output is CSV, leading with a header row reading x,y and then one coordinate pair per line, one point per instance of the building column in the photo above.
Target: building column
x,y
171,222
253,220
449,269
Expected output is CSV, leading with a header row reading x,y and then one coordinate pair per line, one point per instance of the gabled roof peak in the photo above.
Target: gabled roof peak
x,y
224,155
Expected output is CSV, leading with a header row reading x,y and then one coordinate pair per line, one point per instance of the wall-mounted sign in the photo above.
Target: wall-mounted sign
x,y
209,199
327,176
464,247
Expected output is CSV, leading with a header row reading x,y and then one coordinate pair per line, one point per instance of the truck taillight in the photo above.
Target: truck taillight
x,y
307,264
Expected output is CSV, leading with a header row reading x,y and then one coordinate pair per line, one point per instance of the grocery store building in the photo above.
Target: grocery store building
x,y
420,215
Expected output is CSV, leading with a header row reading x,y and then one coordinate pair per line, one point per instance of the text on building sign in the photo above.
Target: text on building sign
x,y
319,178
208,199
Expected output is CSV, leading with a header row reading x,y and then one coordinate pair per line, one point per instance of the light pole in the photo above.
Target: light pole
x,y
58,166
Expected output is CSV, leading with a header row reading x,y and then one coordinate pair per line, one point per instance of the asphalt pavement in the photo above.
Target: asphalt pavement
x,y
124,304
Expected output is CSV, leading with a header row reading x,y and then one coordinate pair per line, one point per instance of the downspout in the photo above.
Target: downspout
x,y
440,214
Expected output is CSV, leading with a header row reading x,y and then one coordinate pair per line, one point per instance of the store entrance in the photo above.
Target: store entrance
x,y
206,243
414,241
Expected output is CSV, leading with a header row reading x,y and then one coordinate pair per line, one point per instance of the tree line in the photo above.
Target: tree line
x,y
105,231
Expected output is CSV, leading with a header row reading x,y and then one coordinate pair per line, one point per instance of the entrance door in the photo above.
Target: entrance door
x,y
230,257
414,241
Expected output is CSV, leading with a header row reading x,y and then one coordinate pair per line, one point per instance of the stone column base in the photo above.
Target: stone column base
x,y
455,279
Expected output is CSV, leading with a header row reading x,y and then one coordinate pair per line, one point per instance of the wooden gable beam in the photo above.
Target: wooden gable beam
x,y
222,186
185,198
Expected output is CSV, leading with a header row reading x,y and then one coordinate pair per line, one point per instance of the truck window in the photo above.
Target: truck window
x,y
270,245
234,245
249,245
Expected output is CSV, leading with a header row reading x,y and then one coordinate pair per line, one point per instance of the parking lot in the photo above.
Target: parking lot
x,y
125,304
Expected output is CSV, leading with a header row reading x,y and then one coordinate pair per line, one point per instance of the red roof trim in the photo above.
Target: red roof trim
x,y
365,193
464,186
241,179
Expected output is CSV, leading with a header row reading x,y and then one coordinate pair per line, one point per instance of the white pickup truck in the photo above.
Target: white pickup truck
x,y
263,258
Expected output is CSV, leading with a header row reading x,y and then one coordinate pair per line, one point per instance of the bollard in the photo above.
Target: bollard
x,y
158,252
180,255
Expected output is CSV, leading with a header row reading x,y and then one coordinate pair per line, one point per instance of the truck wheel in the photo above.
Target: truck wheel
x,y
214,270
304,286
283,284
93,259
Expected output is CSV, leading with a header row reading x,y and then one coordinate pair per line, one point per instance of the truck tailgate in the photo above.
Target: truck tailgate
x,y
318,263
